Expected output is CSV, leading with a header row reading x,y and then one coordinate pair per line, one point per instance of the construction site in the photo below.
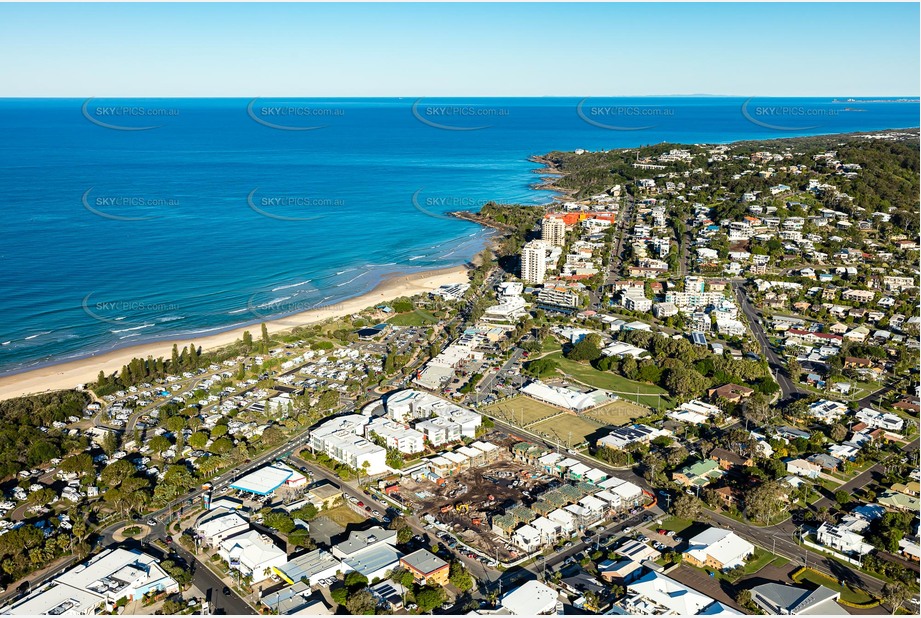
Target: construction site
x,y
468,501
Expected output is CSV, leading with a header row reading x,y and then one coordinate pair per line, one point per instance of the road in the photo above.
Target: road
x,y
213,588
787,387
781,540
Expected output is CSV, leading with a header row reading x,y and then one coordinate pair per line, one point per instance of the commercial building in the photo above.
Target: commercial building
x,y
426,567
252,554
96,584
296,600
218,525
310,567
361,540
718,549
787,600
374,562
655,594
532,599
265,480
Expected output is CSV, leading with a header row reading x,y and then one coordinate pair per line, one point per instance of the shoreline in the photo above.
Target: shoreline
x,y
68,374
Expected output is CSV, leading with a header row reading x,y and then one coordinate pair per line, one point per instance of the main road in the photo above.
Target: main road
x,y
788,389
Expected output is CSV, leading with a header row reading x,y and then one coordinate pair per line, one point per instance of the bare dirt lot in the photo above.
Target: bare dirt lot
x,y
476,495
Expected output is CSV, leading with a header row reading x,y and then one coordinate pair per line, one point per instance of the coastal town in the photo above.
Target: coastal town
x,y
690,386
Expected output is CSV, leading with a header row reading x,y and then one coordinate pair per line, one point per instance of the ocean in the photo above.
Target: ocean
x,y
127,221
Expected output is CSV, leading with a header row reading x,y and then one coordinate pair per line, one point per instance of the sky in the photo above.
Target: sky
x,y
366,50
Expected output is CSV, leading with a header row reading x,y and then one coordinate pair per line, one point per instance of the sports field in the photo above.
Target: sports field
x,y
568,429
521,410
617,413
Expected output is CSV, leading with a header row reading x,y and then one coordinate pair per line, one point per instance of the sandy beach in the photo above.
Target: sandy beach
x,y
71,373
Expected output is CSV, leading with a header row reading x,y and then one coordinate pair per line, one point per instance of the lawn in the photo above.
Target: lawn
x,y
674,523
762,559
521,410
567,429
344,516
847,594
617,413
413,318
549,344
647,394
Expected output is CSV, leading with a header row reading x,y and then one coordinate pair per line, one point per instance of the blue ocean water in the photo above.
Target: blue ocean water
x,y
131,220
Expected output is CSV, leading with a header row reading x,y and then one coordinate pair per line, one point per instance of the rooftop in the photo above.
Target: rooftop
x,y
423,561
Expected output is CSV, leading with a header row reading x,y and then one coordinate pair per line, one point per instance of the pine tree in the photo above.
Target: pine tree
x,y
101,379
174,362
265,338
247,340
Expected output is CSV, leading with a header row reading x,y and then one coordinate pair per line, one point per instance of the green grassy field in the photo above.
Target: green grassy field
x,y
674,523
521,410
343,515
617,413
761,560
549,344
847,594
648,393
413,318
568,429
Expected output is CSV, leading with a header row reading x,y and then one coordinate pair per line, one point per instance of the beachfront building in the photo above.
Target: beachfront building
x,y
553,230
534,261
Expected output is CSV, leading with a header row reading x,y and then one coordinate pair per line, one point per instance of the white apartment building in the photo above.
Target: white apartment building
x,y
534,261
342,439
395,435
634,299
440,430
